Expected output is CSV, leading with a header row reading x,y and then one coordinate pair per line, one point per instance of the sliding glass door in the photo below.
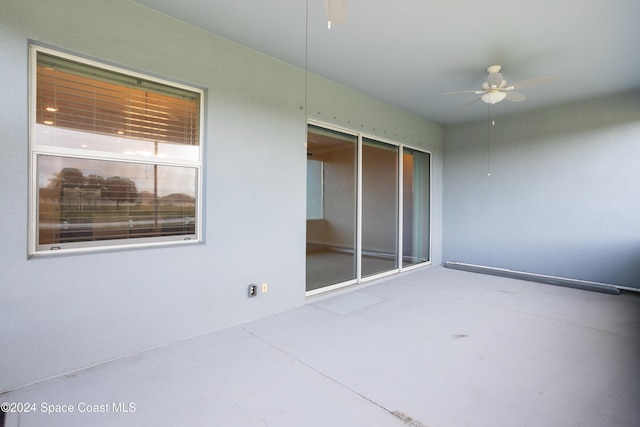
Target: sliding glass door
x,y
379,207
416,202
368,208
331,207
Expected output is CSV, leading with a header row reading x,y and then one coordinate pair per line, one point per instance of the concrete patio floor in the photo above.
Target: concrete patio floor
x,y
433,347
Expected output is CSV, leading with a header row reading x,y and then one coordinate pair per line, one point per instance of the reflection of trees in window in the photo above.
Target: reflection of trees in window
x,y
78,208
71,184
120,190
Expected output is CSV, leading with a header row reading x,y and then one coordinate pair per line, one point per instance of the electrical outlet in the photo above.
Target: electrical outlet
x,y
265,287
253,290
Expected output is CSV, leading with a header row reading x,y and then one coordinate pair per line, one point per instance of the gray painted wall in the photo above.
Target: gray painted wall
x,y
59,314
563,196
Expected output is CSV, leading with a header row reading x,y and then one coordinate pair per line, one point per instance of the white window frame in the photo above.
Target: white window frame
x,y
36,150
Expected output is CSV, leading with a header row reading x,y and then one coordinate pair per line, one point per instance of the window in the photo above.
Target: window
x,y
115,157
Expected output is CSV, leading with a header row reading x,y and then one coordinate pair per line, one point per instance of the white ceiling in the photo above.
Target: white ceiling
x,y
408,52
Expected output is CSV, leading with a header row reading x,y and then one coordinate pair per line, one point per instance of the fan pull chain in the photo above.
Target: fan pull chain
x,y
490,123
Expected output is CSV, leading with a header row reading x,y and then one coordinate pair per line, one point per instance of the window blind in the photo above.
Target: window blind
x,y
82,97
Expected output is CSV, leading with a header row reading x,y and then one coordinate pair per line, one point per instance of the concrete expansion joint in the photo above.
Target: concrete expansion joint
x,y
397,414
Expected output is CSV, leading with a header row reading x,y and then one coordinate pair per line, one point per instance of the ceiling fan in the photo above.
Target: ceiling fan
x,y
496,88
336,11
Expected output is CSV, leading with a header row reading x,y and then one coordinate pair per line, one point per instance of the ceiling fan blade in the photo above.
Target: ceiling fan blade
x,y
472,102
515,96
464,91
530,82
336,10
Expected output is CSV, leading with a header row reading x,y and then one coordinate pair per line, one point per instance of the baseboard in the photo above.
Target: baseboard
x,y
533,277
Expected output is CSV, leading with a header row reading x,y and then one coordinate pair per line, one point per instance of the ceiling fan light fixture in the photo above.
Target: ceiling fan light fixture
x,y
493,96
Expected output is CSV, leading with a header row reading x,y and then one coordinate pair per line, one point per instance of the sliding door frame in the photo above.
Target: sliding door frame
x,y
400,222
